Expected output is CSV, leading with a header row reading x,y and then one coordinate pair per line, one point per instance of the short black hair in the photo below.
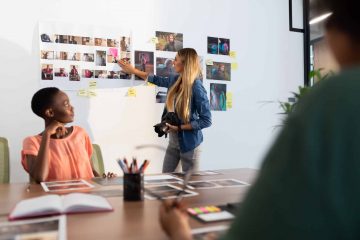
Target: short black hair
x,y
345,16
43,99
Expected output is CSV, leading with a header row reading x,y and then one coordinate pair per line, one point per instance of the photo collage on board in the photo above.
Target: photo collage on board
x,y
72,58
218,70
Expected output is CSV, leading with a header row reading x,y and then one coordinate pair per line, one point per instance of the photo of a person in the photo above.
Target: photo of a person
x,y
74,40
60,72
74,56
86,73
62,55
144,61
164,67
61,38
45,38
213,45
101,42
125,44
217,97
87,41
47,54
100,58
167,41
74,73
112,43
88,57
47,72
224,46
100,74
113,75
219,71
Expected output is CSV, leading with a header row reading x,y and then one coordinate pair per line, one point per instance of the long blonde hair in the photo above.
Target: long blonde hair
x,y
182,88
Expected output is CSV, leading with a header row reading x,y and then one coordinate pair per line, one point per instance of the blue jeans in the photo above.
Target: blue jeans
x,y
173,156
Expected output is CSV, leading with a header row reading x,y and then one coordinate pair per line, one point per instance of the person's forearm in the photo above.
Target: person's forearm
x,y
40,167
140,74
186,127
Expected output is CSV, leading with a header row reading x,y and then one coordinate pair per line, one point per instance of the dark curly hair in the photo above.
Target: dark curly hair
x,y
43,99
345,16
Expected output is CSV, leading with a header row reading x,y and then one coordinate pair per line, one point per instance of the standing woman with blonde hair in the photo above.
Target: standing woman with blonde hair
x,y
186,97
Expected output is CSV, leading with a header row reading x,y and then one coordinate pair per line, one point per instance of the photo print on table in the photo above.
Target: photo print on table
x,y
168,41
47,72
219,71
217,97
74,73
144,61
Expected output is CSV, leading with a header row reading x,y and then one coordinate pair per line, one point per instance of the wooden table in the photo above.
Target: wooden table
x,y
130,220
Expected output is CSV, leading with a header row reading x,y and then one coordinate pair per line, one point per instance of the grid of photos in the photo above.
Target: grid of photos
x,y
97,60
219,71
168,41
217,97
144,61
219,46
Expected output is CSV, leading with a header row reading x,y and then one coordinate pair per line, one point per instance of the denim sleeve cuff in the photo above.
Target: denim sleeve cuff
x,y
150,78
195,125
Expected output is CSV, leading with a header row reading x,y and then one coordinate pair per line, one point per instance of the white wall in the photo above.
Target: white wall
x,y
270,60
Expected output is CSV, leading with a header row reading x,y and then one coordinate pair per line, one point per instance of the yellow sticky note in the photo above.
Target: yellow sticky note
x,y
82,93
229,100
149,84
131,92
154,40
92,84
232,54
209,62
91,94
234,66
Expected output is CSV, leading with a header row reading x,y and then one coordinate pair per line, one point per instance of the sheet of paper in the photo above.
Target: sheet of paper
x,y
66,185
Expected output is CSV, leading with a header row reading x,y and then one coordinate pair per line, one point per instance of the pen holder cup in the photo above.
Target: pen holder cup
x,y
133,186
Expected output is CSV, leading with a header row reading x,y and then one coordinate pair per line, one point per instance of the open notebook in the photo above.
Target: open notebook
x,y
59,204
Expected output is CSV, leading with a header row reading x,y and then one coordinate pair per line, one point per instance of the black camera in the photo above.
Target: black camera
x,y
170,118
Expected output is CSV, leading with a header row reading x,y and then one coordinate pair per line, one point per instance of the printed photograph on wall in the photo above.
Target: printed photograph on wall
x,y
100,74
74,56
113,74
44,37
165,67
168,41
100,58
47,72
74,40
113,43
217,45
47,54
217,97
88,57
61,38
61,72
125,44
62,55
87,73
100,42
74,73
144,61
87,41
219,71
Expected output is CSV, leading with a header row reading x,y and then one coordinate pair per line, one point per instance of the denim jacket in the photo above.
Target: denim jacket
x,y
200,115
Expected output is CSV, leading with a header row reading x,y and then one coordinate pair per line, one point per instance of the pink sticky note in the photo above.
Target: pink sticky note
x,y
113,52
